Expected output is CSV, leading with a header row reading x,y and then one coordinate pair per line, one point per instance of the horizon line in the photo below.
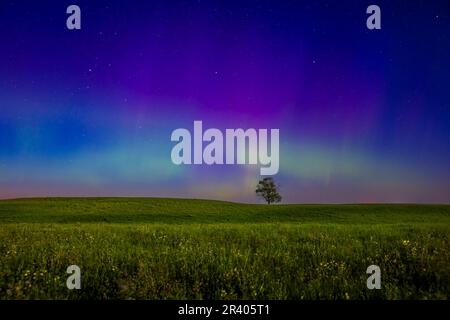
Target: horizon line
x,y
218,200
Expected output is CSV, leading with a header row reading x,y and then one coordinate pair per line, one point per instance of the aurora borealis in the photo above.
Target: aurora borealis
x,y
364,115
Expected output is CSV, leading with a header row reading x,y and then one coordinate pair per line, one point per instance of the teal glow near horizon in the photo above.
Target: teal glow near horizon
x,y
363,116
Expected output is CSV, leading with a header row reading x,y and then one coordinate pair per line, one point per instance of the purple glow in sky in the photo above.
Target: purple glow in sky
x,y
364,116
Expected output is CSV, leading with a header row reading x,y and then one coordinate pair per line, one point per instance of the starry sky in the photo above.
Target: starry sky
x,y
364,116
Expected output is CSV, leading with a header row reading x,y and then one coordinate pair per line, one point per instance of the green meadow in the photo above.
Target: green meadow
x,y
148,248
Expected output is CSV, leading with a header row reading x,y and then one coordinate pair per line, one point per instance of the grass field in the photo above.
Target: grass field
x,y
195,249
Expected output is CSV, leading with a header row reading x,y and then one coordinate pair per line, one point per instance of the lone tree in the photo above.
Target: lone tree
x,y
267,189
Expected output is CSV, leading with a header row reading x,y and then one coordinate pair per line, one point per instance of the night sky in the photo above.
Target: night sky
x,y
364,115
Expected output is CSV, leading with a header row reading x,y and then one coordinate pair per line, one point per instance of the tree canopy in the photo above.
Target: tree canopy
x,y
268,190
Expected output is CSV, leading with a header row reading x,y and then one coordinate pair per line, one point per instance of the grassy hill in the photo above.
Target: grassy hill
x,y
183,211
141,248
